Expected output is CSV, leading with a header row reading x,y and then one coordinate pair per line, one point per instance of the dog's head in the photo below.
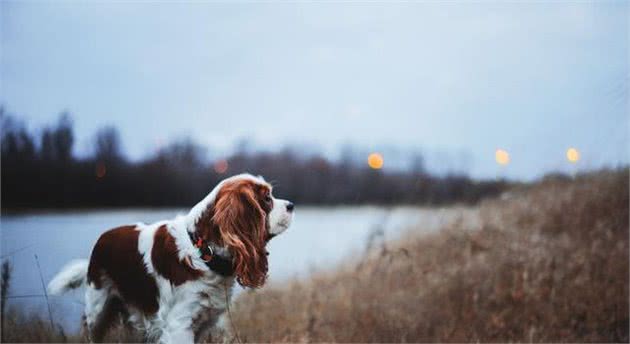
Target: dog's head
x,y
243,217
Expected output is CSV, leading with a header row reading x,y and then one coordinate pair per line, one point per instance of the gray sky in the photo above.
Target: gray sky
x,y
462,79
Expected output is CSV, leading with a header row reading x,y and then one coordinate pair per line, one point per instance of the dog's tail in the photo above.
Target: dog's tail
x,y
71,276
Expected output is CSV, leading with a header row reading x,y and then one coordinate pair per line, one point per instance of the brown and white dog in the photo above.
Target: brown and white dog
x,y
172,279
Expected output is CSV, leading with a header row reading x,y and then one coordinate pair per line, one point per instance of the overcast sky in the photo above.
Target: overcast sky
x,y
463,79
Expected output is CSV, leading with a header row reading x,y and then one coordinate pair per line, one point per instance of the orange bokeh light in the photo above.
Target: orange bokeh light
x,y
101,170
220,166
375,161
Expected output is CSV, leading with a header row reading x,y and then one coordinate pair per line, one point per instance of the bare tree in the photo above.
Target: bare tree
x,y
107,145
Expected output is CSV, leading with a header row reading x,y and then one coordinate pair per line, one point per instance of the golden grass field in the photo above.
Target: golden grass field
x,y
547,262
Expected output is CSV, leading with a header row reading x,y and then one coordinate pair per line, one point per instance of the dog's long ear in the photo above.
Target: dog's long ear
x,y
242,225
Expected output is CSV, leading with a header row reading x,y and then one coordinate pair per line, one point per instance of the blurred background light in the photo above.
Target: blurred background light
x,y
502,157
101,170
375,161
221,166
573,155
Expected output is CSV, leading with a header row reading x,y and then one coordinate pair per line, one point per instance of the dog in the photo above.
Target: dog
x,y
173,279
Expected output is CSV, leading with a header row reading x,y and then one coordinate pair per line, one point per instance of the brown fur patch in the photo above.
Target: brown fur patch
x,y
242,225
116,256
165,259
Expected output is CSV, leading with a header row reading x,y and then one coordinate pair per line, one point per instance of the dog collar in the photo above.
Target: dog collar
x,y
217,263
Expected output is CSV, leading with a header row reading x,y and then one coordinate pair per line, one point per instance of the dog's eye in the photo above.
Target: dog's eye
x,y
268,198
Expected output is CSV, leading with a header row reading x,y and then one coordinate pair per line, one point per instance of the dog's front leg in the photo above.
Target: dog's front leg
x,y
177,336
221,331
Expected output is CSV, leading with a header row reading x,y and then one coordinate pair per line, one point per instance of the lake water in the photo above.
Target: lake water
x,y
319,238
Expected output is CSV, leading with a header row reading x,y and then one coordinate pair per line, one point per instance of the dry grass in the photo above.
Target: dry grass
x,y
548,263
19,327
32,328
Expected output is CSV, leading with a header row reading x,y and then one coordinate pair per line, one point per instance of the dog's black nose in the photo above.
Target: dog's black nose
x,y
290,206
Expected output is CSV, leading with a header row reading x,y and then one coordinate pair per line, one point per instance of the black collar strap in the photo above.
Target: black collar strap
x,y
221,265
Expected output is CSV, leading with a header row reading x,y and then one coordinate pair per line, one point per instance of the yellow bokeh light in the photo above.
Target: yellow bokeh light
x,y
502,157
573,155
375,161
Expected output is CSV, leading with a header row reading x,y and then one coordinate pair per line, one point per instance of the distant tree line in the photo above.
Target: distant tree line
x,y
42,172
